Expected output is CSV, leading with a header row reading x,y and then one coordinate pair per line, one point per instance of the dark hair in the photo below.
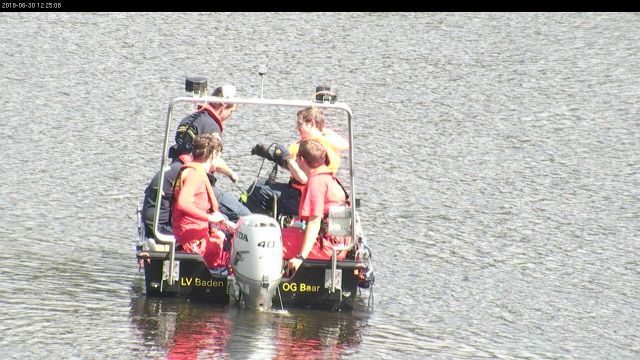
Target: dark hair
x,y
205,145
312,152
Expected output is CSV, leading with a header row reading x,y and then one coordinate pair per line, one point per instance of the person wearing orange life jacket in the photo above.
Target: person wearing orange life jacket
x,y
322,191
310,123
195,206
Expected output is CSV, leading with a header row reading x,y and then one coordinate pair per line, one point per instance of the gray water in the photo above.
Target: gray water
x,y
497,158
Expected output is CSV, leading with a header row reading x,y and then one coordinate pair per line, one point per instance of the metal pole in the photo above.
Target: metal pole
x,y
262,71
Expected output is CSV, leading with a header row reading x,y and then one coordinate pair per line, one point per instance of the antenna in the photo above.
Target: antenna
x,y
262,71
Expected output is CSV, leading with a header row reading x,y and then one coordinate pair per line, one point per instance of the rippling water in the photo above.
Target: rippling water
x,y
497,157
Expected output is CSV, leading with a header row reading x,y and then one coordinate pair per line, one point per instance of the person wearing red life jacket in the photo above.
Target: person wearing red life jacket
x,y
321,191
195,206
310,124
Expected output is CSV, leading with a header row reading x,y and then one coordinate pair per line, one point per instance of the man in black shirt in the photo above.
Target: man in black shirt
x,y
208,119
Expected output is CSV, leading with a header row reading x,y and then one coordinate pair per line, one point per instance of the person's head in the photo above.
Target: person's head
x,y
309,121
206,147
224,111
311,154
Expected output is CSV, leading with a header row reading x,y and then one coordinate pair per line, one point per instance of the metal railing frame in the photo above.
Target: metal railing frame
x,y
170,239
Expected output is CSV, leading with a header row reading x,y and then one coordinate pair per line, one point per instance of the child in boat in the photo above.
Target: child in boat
x,y
195,206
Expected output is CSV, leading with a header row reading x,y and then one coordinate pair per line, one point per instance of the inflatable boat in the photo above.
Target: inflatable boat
x,y
255,276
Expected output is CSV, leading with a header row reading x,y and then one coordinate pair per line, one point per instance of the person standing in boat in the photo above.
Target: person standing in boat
x,y
322,191
195,207
310,124
210,119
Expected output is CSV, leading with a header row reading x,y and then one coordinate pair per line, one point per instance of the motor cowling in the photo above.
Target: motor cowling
x,y
256,259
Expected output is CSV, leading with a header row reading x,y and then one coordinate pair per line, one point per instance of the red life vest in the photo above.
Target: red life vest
x,y
199,170
209,110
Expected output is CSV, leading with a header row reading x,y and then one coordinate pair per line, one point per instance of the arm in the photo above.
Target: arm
x,y
338,142
292,165
312,208
224,169
186,196
310,235
296,172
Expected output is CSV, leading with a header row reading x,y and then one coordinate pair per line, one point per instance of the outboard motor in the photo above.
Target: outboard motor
x,y
256,259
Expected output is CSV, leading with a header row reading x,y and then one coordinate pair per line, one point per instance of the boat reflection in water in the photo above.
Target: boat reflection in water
x,y
313,334
180,329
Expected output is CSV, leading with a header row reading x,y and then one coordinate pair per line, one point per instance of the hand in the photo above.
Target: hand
x,y
233,176
281,155
230,225
216,217
294,263
262,150
216,234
